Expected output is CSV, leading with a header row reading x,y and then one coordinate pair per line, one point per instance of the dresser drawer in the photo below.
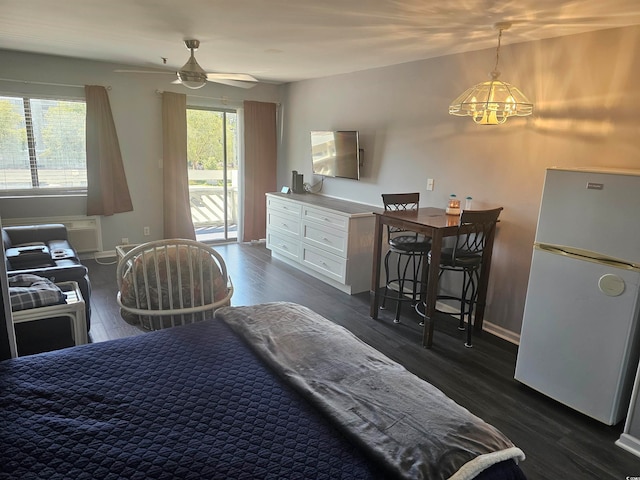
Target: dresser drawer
x,y
284,245
283,206
323,217
323,262
285,223
329,239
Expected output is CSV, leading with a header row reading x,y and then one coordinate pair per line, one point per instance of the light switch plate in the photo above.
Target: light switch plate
x,y
429,184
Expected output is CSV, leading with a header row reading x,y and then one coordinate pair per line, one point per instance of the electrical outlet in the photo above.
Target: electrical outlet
x,y
146,231
125,241
429,184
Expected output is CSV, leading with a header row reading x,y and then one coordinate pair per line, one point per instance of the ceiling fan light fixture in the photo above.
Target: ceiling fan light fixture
x,y
192,75
192,80
492,102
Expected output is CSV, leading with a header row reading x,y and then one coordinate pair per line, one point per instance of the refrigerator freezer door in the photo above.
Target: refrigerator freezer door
x,y
593,211
578,344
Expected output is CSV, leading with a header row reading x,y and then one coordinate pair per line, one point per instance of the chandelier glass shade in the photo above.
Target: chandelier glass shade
x,y
492,102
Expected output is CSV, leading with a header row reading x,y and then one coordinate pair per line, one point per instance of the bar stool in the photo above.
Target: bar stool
x,y
409,248
474,229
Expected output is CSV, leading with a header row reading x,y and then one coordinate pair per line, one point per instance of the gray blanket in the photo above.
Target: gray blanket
x,y
402,420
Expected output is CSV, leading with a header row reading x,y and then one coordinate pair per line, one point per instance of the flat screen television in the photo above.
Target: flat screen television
x,y
336,154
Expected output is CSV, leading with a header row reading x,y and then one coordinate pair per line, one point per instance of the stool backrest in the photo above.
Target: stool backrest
x,y
475,228
399,202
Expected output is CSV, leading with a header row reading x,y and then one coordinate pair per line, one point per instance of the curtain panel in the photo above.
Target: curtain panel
x,y
176,201
260,162
107,189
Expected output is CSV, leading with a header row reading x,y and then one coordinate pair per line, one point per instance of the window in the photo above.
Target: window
x,y
42,145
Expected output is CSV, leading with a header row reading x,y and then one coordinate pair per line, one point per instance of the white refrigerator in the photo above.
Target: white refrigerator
x,y
579,338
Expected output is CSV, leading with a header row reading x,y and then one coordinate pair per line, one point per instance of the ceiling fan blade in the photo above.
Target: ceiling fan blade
x,y
164,72
234,83
243,77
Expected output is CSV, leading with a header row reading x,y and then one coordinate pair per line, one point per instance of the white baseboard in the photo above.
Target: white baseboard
x,y
488,327
110,254
106,254
629,443
501,332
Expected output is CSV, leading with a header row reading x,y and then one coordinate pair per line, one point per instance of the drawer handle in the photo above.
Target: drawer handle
x,y
326,219
324,264
283,246
326,239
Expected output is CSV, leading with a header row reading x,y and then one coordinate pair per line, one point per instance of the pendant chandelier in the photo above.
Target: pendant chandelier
x,y
492,102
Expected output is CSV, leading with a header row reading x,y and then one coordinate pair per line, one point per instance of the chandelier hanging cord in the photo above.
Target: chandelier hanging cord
x,y
495,74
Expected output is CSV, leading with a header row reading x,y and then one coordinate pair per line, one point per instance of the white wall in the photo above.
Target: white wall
x,y
136,109
586,101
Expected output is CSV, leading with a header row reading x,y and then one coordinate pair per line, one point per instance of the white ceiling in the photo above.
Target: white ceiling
x,y
289,40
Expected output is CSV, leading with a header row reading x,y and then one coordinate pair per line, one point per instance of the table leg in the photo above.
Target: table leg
x,y
483,283
374,292
432,289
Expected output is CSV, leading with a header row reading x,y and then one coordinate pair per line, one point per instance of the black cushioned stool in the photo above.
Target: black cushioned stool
x,y
409,249
474,229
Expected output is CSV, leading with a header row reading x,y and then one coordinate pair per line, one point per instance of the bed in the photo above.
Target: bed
x,y
265,391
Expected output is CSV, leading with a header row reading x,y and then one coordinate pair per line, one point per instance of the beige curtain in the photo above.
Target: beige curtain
x,y
176,205
107,189
260,166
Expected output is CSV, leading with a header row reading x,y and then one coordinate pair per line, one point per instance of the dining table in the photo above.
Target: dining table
x,y
436,224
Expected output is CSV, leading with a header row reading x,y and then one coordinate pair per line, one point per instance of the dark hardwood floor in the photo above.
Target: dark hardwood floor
x,y
559,443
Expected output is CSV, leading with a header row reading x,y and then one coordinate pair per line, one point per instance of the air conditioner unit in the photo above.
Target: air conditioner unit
x,y
85,233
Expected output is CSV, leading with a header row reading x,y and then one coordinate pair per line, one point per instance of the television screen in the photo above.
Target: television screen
x,y
336,154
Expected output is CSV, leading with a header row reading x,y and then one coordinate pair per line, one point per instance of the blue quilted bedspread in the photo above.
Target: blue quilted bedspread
x,y
190,402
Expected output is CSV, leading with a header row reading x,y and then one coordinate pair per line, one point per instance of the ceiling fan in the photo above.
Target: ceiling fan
x,y
192,75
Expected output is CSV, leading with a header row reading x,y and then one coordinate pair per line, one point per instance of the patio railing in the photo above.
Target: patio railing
x,y
207,206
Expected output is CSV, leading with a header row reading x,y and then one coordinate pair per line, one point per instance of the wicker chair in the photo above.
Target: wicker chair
x,y
167,283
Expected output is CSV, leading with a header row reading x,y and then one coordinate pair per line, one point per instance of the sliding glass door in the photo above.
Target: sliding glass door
x,y
212,156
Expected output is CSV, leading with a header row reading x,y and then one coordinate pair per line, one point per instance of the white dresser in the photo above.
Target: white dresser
x,y
328,238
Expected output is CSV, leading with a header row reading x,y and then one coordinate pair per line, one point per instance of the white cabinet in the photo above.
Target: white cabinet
x,y
329,238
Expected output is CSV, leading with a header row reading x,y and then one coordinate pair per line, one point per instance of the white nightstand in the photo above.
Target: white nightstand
x,y
74,309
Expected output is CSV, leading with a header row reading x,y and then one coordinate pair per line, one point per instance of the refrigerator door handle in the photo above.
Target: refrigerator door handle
x,y
586,255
